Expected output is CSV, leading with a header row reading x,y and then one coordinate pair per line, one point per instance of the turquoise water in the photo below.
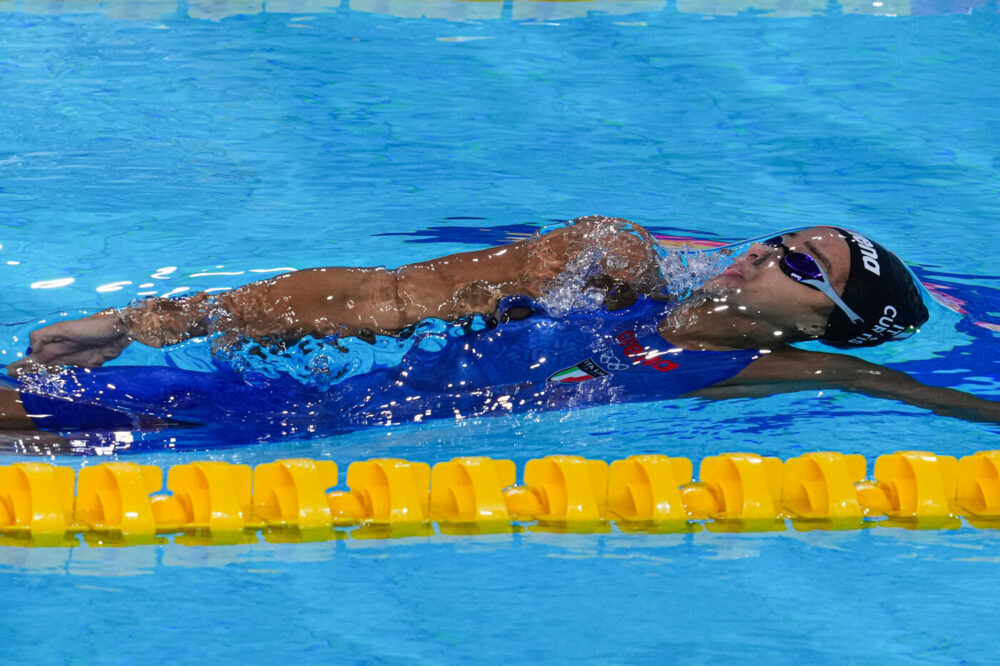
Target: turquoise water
x,y
156,148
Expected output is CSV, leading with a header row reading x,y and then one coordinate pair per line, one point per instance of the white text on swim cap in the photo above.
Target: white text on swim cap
x,y
868,254
885,324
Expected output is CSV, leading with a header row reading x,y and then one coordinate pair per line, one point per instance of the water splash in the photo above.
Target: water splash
x,y
680,272
683,271
323,363
571,290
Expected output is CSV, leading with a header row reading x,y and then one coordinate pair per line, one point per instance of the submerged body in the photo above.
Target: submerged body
x,y
534,363
501,348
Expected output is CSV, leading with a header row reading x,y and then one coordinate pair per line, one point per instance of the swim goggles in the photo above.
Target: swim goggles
x,y
802,268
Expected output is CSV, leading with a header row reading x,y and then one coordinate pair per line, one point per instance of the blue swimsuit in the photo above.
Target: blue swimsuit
x,y
457,371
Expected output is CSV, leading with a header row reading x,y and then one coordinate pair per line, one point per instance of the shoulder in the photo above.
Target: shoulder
x,y
610,225
611,233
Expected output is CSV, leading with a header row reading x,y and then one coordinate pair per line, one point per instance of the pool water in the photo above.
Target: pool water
x,y
155,148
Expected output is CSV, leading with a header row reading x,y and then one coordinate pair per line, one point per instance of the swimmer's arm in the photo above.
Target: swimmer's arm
x,y
346,301
324,301
288,306
789,369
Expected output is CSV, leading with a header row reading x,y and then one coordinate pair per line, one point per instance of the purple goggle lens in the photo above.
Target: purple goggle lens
x,y
797,265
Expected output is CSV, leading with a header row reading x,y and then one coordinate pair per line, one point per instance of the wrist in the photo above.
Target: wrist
x,y
160,322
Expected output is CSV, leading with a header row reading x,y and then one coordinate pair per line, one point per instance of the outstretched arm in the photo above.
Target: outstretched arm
x,y
789,369
325,301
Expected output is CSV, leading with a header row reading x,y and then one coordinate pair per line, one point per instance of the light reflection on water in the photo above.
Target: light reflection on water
x,y
251,142
783,597
521,10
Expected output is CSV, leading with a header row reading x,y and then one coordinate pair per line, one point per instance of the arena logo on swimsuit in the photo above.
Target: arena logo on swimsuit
x,y
634,350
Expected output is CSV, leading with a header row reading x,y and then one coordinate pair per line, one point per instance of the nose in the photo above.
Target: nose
x,y
758,253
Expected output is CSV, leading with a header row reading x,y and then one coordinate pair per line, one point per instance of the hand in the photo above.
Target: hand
x,y
87,342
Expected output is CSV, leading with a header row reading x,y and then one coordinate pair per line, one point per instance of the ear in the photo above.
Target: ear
x,y
813,330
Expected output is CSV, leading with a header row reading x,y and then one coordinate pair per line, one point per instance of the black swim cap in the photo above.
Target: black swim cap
x,y
881,289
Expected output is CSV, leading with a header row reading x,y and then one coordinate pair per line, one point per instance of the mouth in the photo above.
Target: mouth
x,y
732,270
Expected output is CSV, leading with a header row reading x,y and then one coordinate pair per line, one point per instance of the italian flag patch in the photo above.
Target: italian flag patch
x,y
579,373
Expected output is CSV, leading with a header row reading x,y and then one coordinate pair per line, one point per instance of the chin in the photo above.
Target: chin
x,y
721,285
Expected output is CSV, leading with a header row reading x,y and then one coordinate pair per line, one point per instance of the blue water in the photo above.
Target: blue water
x,y
203,145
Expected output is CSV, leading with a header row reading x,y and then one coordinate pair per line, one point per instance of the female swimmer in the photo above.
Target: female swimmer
x,y
729,338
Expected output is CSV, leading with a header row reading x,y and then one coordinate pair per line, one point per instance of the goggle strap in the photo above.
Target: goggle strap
x,y
828,291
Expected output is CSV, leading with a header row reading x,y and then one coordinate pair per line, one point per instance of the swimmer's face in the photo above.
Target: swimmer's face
x,y
755,287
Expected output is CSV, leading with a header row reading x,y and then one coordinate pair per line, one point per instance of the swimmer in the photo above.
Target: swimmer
x,y
731,337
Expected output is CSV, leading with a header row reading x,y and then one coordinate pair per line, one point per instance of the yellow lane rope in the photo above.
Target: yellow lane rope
x,y
298,499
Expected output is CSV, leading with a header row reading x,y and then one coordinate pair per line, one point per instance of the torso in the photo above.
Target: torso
x,y
539,363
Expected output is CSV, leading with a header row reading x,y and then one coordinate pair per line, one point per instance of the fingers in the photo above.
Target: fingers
x,y
38,342
44,349
31,365
50,353
35,363
22,367
87,342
